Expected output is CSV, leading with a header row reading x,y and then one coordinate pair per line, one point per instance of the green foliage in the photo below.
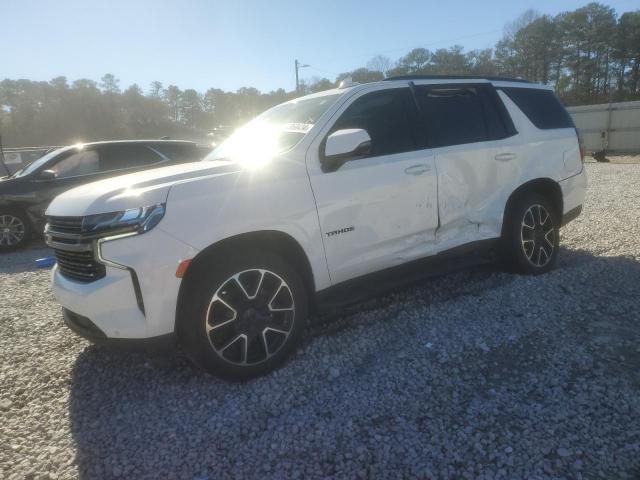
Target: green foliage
x,y
361,75
588,55
110,84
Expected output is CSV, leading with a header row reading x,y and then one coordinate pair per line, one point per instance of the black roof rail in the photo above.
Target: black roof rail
x,y
456,77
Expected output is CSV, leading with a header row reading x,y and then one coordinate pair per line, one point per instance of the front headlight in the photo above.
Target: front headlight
x,y
139,220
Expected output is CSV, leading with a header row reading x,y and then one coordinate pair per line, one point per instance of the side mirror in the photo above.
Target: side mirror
x,y
47,175
344,145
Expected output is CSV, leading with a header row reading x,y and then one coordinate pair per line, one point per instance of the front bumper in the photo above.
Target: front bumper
x,y
137,297
84,327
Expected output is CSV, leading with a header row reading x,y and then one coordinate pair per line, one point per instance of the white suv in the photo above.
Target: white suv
x,y
315,202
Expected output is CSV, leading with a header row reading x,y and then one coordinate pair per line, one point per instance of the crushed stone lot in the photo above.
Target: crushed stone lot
x,y
478,374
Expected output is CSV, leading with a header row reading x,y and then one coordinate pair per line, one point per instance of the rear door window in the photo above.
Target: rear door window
x,y
457,115
117,157
542,107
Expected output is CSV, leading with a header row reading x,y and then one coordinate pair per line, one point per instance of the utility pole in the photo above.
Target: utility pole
x,y
298,66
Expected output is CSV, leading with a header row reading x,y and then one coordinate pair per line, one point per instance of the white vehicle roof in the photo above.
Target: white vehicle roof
x,y
430,80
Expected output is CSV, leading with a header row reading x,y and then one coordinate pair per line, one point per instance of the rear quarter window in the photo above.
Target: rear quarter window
x,y
542,107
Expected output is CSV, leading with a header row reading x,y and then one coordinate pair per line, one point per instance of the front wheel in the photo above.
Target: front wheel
x,y
242,314
15,230
532,236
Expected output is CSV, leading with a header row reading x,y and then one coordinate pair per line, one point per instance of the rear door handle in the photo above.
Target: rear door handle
x,y
417,169
505,157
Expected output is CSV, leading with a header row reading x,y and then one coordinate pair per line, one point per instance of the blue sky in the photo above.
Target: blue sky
x,y
231,44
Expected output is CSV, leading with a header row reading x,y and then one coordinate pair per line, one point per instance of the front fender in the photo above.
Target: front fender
x,y
208,210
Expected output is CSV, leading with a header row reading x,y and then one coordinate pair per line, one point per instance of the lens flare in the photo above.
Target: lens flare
x,y
254,145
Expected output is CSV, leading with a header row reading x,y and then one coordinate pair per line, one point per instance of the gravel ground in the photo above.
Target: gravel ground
x,y
478,374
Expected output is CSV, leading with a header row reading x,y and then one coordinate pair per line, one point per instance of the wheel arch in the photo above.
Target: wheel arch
x,y
13,208
276,241
31,221
547,187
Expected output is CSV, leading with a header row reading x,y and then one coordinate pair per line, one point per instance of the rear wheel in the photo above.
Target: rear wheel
x,y
532,236
15,230
244,315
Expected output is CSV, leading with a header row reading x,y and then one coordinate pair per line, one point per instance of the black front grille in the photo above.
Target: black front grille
x,y
79,265
74,252
65,224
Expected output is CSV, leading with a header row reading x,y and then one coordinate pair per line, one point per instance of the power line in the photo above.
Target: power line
x,y
323,71
360,55
431,44
451,40
404,49
439,42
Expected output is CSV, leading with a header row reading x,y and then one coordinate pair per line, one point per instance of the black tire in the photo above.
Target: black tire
x,y
259,323
15,230
531,236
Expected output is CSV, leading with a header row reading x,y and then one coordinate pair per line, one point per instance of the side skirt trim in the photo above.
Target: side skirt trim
x,y
382,282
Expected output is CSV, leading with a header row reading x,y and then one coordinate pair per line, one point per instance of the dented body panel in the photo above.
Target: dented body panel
x,y
476,180
370,213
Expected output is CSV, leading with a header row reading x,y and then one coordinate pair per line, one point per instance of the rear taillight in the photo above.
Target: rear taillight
x,y
580,144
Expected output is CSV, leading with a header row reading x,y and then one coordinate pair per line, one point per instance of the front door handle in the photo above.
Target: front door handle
x,y
417,169
505,157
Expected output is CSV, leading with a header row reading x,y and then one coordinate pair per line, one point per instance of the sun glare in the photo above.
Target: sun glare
x,y
254,145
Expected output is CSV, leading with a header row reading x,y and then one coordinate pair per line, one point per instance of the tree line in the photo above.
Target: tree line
x,y
589,55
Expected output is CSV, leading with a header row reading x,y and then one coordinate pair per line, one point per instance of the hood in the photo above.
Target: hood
x,y
149,187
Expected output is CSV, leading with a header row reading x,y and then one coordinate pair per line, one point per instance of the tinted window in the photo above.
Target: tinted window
x,y
388,116
85,162
180,152
495,115
116,157
456,115
542,107
32,167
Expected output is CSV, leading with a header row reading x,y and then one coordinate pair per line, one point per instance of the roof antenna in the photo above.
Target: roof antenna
x,y
347,82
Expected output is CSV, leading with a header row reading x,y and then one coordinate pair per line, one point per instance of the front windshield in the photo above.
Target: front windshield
x,y
33,166
275,131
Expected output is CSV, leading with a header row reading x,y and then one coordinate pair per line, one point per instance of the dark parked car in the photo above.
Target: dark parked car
x,y
25,195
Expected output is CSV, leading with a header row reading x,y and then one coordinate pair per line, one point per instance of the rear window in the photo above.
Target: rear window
x,y
542,107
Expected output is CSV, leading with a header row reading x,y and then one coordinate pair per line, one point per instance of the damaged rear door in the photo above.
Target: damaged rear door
x,y
475,155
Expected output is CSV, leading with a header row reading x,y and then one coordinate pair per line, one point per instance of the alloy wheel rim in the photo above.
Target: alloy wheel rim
x,y
12,230
538,235
250,317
